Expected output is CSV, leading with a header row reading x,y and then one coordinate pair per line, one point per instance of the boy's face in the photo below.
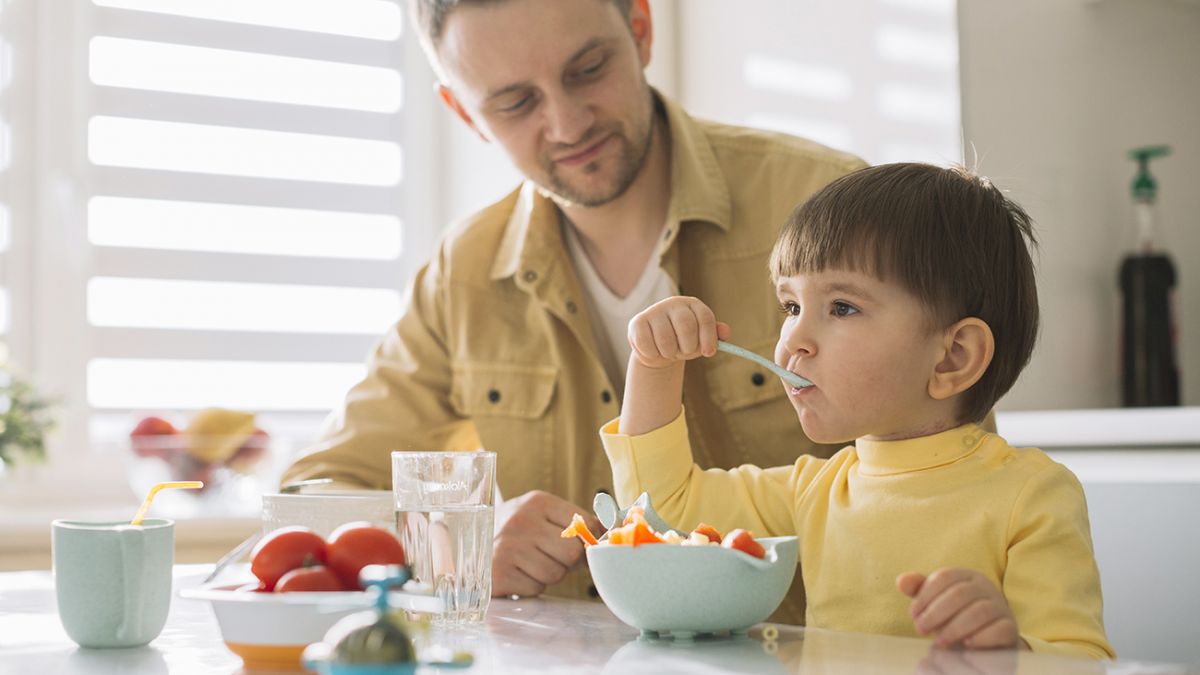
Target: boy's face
x,y
559,85
868,349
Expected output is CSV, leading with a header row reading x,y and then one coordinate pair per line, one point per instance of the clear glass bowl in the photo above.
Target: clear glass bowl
x,y
250,466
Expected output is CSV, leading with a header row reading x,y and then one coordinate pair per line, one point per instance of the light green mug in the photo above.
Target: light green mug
x,y
113,580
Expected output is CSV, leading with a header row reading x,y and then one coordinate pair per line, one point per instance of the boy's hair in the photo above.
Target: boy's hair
x,y
430,16
947,235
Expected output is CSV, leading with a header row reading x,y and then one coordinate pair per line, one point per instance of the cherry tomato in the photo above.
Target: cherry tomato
x,y
708,531
315,578
743,541
253,588
353,546
283,550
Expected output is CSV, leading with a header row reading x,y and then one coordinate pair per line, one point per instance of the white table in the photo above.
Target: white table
x,y
533,635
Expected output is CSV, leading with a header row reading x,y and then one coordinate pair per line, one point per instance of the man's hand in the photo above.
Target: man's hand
x,y
528,554
960,606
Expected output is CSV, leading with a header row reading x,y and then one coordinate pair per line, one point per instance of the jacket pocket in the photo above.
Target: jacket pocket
x,y
502,389
510,407
757,415
736,383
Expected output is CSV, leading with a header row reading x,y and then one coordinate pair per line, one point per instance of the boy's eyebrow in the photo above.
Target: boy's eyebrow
x,y
509,88
848,288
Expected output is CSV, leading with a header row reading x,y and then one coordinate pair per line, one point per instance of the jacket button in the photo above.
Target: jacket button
x,y
592,592
494,395
530,276
606,396
758,379
571,306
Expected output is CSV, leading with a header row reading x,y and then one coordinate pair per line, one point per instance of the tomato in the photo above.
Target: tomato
x,y
708,531
253,588
353,546
315,578
283,550
743,541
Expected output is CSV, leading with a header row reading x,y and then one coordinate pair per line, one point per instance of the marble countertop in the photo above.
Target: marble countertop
x,y
530,635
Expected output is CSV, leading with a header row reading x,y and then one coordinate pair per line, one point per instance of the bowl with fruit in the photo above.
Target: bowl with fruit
x,y
664,581
301,585
225,449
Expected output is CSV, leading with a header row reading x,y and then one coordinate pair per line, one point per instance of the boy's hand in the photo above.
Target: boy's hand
x,y
961,606
675,330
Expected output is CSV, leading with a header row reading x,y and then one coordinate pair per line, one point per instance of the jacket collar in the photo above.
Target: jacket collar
x,y
699,193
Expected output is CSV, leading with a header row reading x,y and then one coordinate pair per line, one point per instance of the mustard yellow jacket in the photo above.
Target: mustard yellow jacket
x,y
495,350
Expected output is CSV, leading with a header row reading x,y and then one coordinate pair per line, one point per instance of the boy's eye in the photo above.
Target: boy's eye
x,y
790,308
843,309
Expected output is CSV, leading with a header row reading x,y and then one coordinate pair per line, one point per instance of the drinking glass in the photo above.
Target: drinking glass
x,y
445,514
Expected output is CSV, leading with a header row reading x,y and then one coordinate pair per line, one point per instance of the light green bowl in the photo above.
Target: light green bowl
x,y
685,590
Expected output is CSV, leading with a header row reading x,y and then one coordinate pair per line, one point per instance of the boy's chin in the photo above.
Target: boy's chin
x,y
819,433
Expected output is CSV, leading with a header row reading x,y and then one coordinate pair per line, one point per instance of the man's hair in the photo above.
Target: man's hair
x,y
947,235
429,16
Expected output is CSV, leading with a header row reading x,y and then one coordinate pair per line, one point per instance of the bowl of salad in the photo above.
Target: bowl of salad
x,y
666,582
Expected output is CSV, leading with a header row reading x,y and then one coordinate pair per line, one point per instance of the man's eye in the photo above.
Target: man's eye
x,y
516,106
591,70
790,308
843,309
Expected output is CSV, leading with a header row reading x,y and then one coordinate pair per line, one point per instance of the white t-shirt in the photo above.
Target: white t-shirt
x,y
610,313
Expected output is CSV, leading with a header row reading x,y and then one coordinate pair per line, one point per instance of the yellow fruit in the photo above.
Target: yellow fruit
x,y
214,434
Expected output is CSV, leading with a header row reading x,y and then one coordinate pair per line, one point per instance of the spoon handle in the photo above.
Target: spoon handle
x,y
786,375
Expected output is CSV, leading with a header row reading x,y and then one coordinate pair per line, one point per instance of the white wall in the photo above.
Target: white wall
x,y
1054,94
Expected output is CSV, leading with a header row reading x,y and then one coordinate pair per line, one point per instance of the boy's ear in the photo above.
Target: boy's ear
x,y
456,106
968,348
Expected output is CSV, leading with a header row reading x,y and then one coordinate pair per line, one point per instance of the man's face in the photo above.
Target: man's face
x,y
559,85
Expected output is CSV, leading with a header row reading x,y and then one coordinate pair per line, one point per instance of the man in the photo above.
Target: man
x,y
514,334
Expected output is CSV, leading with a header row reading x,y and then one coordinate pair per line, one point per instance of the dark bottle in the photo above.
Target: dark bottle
x,y
1149,375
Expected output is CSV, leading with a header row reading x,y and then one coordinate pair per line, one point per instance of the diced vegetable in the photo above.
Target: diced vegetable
x,y
578,528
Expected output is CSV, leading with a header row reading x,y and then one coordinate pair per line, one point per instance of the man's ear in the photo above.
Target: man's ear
x,y
455,105
968,347
642,27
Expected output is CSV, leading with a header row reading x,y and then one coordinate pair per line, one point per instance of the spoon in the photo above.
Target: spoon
x,y
784,374
611,516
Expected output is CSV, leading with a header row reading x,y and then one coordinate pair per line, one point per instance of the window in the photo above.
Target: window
x,y
222,208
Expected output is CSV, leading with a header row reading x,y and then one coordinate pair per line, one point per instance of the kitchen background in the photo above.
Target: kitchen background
x,y
220,203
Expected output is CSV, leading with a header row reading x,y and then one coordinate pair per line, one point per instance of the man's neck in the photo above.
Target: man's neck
x,y
621,236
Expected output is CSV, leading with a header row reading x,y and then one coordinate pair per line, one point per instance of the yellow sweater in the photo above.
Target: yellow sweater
x,y
961,498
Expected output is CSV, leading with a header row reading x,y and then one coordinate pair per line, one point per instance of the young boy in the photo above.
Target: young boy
x,y
910,304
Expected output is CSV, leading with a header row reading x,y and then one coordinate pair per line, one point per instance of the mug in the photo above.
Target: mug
x,y
113,580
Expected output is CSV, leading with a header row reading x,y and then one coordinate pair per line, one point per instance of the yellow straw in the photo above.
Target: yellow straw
x,y
141,513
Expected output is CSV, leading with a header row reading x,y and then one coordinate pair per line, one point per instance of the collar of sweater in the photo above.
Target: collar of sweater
x,y
882,458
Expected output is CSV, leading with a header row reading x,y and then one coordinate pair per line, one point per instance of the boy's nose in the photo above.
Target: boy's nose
x,y
568,118
798,339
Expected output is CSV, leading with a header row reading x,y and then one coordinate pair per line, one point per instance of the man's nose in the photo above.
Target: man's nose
x,y
568,118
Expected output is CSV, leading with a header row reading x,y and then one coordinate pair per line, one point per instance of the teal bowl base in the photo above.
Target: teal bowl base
x,y
689,636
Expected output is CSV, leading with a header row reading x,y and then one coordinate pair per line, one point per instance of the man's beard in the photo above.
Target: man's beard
x,y
630,159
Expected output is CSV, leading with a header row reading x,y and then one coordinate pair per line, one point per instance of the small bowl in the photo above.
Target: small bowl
x,y
232,487
685,590
270,630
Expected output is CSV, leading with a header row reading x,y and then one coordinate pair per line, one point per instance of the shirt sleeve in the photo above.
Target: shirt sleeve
x,y
1051,580
660,463
403,402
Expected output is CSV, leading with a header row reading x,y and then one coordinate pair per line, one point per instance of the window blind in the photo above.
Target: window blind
x,y
244,191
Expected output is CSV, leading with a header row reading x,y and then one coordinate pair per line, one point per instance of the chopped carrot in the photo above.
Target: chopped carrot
x,y
578,528
633,514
